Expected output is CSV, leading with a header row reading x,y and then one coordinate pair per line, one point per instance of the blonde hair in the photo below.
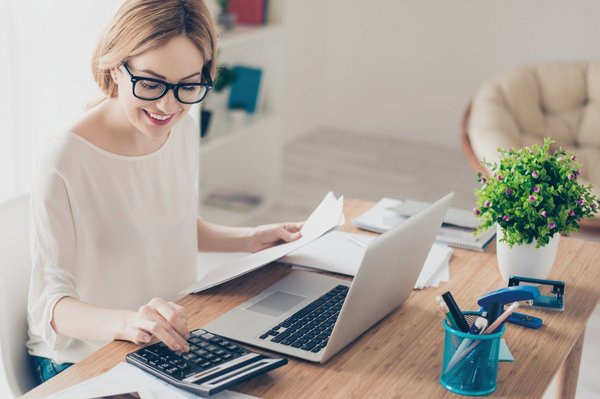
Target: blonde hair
x,y
142,25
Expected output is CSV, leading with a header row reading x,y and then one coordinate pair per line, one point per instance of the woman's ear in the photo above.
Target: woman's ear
x,y
113,75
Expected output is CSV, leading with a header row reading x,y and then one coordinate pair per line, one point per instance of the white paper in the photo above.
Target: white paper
x,y
439,255
207,261
454,216
333,252
381,217
128,378
442,276
339,252
328,215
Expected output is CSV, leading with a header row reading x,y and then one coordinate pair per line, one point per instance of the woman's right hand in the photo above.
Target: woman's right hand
x,y
159,318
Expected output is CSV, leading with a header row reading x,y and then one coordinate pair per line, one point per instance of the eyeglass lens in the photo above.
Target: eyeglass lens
x,y
149,90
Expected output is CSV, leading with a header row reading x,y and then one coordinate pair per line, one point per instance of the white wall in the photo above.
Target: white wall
x,y
304,25
408,68
50,49
7,164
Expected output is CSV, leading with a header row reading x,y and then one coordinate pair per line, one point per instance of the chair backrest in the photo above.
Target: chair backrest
x,y
530,102
16,372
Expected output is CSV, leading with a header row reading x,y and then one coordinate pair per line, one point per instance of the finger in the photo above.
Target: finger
x,y
173,314
285,235
137,335
293,227
163,330
181,313
159,331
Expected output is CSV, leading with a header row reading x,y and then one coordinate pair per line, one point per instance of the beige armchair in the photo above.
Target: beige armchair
x,y
560,100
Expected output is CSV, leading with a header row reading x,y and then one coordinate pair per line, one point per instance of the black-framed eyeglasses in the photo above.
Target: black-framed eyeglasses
x,y
151,89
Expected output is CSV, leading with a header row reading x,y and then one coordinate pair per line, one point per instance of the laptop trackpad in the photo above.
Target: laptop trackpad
x,y
277,303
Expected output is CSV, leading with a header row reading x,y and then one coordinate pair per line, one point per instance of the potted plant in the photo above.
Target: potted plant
x,y
532,195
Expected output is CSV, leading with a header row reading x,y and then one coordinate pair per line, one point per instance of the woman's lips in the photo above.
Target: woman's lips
x,y
158,119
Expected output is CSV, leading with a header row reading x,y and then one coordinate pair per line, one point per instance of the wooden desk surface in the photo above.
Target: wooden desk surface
x,y
401,355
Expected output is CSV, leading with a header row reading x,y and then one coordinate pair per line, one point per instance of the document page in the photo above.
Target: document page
x,y
327,216
127,378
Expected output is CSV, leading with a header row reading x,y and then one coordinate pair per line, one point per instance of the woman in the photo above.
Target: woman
x,y
114,207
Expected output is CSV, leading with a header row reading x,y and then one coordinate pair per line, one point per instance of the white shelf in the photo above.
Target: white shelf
x,y
245,157
243,34
246,160
221,139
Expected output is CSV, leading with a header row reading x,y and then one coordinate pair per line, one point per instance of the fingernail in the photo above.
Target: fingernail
x,y
146,338
186,348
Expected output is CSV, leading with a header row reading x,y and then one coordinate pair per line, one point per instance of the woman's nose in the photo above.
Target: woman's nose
x,y
168,103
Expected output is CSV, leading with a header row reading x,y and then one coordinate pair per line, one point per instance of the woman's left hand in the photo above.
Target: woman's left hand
x,y
268,235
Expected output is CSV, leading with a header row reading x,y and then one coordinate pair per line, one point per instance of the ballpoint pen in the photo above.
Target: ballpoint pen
x,y
455,311
477,328
446,312
490,330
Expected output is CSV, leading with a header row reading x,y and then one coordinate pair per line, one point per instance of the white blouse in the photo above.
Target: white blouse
x,y
111,230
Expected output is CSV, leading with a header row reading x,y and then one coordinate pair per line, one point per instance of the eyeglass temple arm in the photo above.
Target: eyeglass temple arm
x,y
206,73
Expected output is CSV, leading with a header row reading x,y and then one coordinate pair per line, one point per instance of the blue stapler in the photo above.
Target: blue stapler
x,y
546,302
493,303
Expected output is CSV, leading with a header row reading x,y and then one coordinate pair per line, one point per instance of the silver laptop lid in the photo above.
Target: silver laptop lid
x,y
387,274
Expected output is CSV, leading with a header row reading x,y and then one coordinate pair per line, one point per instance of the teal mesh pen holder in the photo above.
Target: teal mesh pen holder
x,y
470,365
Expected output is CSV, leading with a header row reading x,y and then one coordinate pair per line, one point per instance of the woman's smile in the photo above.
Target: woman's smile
x,y
158,119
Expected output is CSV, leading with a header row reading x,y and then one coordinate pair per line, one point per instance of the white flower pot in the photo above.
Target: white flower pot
x,y
525,260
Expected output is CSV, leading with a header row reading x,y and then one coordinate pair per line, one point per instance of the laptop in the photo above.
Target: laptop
x,y
313,316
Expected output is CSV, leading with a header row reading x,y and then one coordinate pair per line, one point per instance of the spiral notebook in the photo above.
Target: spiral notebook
x,y
457,230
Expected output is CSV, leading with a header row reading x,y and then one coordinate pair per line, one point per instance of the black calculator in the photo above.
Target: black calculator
x,y
212,364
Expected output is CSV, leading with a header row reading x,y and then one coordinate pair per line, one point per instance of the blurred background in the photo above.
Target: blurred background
x,y
398,69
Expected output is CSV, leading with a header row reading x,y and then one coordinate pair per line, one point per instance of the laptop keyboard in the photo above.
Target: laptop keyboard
x,y
309,328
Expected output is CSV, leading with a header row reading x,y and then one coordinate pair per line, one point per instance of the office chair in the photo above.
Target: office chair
x,y
16,373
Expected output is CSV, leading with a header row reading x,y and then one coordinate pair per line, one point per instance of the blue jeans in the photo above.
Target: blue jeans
x,y
47,368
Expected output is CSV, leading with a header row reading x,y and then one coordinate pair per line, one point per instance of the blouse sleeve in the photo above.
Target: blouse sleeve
x,y
53,249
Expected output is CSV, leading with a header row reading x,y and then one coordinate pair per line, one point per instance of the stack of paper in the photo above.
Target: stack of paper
x,y
458,228
342,253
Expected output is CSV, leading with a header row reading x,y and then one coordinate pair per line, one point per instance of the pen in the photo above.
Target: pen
x,y
455,311
493,327
480,324
357,242
446,312
477,328
501,318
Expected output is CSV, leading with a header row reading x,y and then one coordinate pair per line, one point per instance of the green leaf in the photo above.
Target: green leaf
x,y
557,194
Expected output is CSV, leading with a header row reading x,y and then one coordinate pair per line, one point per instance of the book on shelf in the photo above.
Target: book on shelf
x,y
245,88
457,230
249,12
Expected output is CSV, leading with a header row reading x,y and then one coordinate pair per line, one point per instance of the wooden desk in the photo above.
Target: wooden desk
x,y
401,355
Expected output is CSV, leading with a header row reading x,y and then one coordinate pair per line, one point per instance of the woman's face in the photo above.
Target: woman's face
x,y
177,61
